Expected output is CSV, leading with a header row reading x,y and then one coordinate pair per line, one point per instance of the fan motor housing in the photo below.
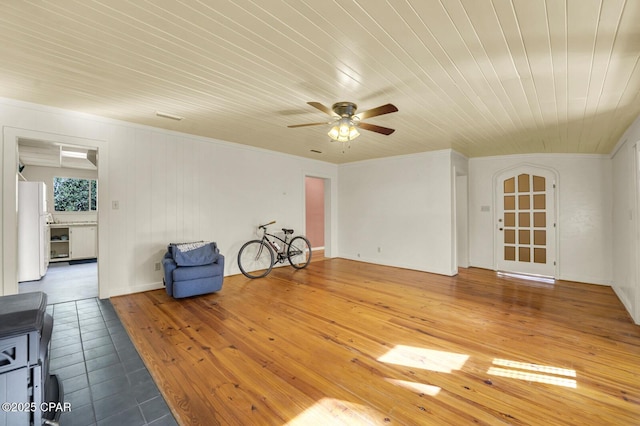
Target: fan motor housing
x,y
344,109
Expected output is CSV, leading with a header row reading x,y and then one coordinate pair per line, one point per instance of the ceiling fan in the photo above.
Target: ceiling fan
x,y
346,122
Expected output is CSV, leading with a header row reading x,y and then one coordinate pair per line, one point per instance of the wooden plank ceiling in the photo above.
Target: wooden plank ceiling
x,y
482,77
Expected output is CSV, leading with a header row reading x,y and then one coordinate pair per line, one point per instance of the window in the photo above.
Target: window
x,y
75,195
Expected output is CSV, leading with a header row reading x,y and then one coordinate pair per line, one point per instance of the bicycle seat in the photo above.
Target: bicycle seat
x,y
287,231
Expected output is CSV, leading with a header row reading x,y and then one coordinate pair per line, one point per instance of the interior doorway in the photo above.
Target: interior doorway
x,y
10,175
69,174
315,212
320,214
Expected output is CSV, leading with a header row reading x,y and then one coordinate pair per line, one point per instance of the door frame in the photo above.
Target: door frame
x,y
529,168
8,254
330,210
636,222
461,223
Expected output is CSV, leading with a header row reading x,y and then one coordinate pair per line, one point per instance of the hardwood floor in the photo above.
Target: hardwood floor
x,y
343,342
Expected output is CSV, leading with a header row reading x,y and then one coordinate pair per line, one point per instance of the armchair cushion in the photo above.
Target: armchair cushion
x,y
194,254
195,272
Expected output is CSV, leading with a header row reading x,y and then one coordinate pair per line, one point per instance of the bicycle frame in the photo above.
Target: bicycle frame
x,y
280,253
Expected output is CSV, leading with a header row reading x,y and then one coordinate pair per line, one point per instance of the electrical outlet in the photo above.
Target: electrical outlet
x,y
157,266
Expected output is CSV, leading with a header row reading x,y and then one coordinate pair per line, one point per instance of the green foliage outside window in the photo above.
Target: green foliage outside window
x,y
75,195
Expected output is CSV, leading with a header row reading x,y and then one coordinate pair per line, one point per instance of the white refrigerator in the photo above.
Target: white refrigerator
x,y
33,258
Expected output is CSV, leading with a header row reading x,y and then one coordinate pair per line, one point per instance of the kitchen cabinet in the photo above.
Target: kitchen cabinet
x,y
59,243
83,242
71,242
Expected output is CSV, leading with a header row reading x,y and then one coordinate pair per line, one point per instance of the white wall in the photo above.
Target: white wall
x,y
398,211
583,206
170,187
626,221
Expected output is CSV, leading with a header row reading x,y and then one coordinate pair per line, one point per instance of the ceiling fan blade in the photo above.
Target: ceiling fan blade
x,y
378,129
374,112
322,108
308,124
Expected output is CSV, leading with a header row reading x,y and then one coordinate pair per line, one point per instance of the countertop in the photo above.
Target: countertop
x,y
67,224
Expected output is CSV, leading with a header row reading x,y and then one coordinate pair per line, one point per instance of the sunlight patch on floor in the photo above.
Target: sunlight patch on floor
x,y
426,359
421,388
330,411
535,367
534,373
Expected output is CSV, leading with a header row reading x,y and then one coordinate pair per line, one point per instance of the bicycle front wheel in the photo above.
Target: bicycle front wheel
x,y
299,252
255,259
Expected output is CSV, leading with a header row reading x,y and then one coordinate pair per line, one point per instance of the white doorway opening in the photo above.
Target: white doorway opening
x,y
314,211
318,213
10,176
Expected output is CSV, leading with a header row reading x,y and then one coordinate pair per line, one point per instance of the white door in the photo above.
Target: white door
x,y
526,222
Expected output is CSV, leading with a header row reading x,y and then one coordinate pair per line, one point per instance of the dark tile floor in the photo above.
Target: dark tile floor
x,y
104,378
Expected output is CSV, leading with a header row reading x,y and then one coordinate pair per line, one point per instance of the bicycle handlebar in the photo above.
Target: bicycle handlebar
x,y
267,224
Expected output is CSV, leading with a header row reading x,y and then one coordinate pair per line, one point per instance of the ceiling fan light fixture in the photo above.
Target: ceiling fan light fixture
x,y
344,130
345,122
343,127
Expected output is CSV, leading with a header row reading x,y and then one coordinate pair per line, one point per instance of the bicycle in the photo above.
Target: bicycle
x,y
256,257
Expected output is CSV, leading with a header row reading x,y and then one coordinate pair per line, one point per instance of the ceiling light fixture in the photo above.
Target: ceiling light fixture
x,y
74,154
169,116
344,130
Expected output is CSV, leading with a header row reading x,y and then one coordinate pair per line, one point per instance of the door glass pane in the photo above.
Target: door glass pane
x,y
509,219
540,237
539,219
510,236
539,202
540,255
510,202
523,219
538,183
523,183
509,253
524,236
524,254
524,202
510,186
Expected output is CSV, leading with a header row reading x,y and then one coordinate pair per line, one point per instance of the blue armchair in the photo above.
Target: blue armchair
x,y
191,269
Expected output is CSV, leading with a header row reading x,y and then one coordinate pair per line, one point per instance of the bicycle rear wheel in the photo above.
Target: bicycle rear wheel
x,y
255,259
299,252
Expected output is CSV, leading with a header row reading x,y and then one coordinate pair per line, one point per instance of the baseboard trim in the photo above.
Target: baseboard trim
x,y
122,291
